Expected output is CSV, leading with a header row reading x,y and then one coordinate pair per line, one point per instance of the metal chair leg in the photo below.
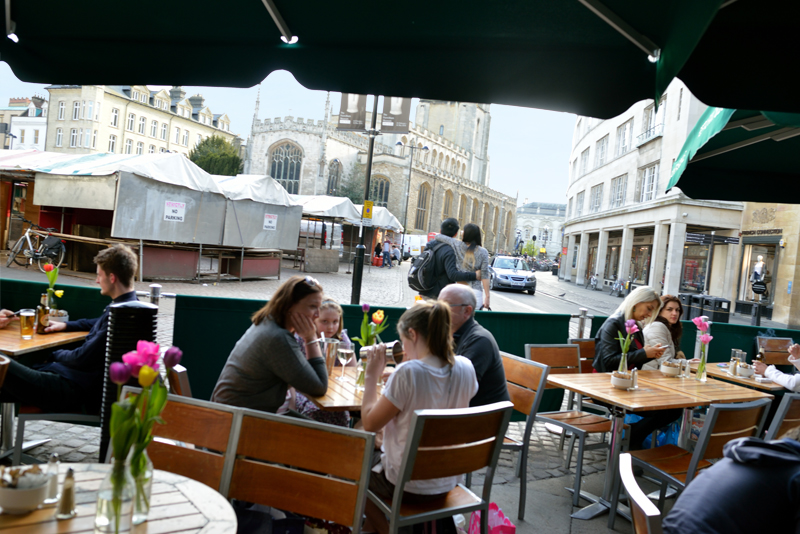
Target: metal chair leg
x,y
568,459
662,495
468,479
523,481
576,494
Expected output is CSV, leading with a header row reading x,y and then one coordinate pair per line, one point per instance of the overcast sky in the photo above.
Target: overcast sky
x,y
528,148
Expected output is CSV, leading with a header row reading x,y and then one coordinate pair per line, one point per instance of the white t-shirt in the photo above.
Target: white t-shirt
x,y
416,386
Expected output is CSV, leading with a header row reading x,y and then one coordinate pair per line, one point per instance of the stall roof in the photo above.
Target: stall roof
x,y
254,187
327,206
381,217
168,168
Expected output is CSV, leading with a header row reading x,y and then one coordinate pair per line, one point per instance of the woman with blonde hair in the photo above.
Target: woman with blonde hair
x,y
471,256
431,376
267,360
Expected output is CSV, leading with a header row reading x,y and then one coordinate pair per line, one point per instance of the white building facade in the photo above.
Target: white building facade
x,y
129,119
621,223
546,222
29,129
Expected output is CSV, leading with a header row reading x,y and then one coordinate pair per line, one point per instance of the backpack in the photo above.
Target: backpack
x,y
421,275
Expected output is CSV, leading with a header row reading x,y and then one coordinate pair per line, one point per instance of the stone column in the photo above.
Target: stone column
x,y
570,254
657,259
677,239
729,289
583,257
602,252
625,253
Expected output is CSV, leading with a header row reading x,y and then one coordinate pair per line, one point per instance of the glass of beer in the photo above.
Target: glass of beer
x,y
27,318
331,348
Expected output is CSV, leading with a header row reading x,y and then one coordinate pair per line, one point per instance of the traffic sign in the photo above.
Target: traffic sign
x,y
366,213
759,288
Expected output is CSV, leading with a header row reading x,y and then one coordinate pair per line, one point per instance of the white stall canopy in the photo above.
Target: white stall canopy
x,y
381,218
326,206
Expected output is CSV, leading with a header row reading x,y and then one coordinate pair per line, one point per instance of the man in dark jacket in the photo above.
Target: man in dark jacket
x,y
445,268
477,344
755,488
73,381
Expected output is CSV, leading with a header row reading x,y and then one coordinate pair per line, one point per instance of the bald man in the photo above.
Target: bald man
x,y
477,344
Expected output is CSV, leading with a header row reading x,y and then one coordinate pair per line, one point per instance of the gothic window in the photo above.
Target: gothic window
x,y
379,194
448,205
285,162
422,206
462,210
476,211
334,176
486,215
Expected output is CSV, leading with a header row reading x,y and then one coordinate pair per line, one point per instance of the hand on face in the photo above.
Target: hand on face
x,y
303,325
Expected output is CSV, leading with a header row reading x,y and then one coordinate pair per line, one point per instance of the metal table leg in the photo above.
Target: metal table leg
x,y
7,411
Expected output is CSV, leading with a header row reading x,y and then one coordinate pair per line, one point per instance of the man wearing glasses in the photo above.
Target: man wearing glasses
x,y
477,344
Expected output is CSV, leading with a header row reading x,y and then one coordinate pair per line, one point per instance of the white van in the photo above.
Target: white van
x,y
414,245
319,234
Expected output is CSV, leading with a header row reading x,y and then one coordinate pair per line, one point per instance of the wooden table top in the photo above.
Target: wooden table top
x,y
178,504
12,344
340,395
713,390
722,373
648,397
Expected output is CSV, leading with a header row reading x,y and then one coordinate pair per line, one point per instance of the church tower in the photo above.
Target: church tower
x,y
465,124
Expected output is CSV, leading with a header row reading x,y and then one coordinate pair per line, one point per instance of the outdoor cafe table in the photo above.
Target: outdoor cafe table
x,y
12,344
340,395
178,504
715,371
648,397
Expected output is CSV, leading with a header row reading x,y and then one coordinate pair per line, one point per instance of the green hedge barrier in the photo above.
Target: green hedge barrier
x,y
81,302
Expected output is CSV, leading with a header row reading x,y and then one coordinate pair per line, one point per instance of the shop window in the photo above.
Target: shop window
x,y
750,266
693,274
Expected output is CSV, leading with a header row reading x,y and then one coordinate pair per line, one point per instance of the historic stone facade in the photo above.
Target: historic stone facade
x,y
546,222
311,157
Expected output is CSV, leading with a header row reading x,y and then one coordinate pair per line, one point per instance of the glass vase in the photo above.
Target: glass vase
x,y
115,500
702,374
51,298
142,473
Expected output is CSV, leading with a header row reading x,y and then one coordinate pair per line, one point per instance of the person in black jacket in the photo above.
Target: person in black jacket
x,y
73,381
642,305
445,268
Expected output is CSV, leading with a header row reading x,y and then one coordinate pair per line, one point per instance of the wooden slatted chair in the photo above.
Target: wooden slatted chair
x,y
443,443
305,467
786,418
674,466
565,359
586,351
645,516
526,381
198,440
776,349
178,378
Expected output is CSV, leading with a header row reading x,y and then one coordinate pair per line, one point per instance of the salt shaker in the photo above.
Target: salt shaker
x,y
52,479
66,506
634,379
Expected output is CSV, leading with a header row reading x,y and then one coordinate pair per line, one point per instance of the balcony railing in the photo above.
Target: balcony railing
x,y
650,134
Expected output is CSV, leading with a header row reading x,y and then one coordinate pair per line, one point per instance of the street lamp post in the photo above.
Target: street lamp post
x,y
408,193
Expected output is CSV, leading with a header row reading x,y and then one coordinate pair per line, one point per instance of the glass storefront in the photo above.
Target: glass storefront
x,y
612,263
640,264
693,272
752,255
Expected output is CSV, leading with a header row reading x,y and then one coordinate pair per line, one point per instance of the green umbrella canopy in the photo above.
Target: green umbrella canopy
x,y
741,155
550,54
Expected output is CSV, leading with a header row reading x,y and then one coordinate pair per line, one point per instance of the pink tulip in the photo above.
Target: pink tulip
x,y
146,353
631,327
705,339
701,324
172,357
119,373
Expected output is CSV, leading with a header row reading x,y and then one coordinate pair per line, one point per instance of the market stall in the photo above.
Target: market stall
x,y
322,219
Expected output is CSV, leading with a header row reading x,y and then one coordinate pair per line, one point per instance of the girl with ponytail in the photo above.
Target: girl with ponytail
x,y
430,377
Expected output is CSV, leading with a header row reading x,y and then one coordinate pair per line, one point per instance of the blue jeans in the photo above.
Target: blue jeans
x,y
387,259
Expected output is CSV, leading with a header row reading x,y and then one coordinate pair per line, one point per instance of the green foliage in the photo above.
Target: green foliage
x,y
529,248
352,184
215,155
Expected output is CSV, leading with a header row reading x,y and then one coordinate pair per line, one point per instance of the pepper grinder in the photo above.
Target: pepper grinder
x,y
66,506
52,479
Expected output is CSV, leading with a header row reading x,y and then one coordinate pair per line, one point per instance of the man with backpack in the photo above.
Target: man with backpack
x,y
436,266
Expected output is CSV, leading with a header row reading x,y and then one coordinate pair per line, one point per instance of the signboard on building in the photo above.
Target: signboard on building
x,y
353,112
396,112
270,221
174,211
706,239
759,288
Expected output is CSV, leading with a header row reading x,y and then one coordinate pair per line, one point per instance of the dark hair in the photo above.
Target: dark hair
x,y
290,293
431,320
449,227
471,236
120,261
675,330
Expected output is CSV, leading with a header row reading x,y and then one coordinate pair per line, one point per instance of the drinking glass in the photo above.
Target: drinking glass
x,y
330,347
27,318
345,357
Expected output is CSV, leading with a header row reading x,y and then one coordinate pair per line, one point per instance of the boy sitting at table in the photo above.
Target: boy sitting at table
x,y
73,381
790,382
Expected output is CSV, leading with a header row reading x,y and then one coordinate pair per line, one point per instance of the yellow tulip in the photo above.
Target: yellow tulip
x,y
59,293
147,376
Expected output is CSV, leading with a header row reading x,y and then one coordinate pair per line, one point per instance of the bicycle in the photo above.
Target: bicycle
x,y
37,245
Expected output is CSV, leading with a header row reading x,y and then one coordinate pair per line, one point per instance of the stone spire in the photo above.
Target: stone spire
x,y
255,113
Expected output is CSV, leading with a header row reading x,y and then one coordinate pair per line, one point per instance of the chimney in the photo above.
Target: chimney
x,y
177,93
197,101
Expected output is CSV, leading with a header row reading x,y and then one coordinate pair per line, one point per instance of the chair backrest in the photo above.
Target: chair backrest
x,y
304,467
726,422
646,517
444,443
587,353
198,440
526,381
786,418
178,378
561,359
776,349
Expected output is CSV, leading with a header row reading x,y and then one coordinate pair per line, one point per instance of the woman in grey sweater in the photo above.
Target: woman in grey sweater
x,y
267,359
471,256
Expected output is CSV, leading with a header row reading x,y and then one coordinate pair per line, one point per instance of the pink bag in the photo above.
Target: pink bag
x,y
498,522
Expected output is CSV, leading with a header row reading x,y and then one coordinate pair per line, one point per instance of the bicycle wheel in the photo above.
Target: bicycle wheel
x,y
14,255
54,255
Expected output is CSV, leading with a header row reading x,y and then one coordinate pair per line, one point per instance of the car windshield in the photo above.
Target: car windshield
x,y
510,263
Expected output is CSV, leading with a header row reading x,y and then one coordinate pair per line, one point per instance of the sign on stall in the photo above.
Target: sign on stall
x,y
270,221
174,211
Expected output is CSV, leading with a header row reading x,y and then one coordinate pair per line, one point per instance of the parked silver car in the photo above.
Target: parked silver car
x,y
508,272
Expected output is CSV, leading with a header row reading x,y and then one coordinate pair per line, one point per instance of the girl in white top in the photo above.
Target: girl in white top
x,y
430,377
666,329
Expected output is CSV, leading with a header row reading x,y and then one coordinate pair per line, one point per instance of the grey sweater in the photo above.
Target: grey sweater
x,y
481,258
261,367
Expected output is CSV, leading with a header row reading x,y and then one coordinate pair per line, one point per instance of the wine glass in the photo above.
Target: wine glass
x,y
345,356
